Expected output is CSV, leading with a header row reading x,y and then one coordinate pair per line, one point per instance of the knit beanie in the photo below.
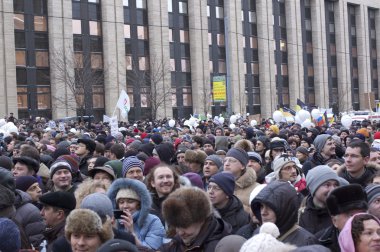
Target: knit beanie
x,y
131,162
275,129
230,243
363,131
226,182
265,140
127,193
24,182
281,161
72,160
156,138
319,175
216,159
376,135
320,141
99,203
9,236
58,165
135,144
302,150
149,164
373,192
239,154
195,179
255,156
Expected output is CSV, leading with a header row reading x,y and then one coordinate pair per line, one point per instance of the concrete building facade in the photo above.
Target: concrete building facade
x,y
74,57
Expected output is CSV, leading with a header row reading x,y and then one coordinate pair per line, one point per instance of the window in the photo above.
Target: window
x,y
182,7
19,21
40,23
128,62
142,32
41,41
20,58
143,63
219,12
20,40
95,28
77,26
125,2
184,36
141,4
96,61
42,59
170,6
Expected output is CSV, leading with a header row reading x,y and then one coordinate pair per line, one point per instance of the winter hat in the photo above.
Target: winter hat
x,y
86,221
135,144
320,141
230,243
312,248
147,148
319,175
156,138
239,154
376,135
142,156
256,191
195,156
6,162
7,201
149,164
99,203
63,144
100,161
302,150
216,159
59,165
7,179
265,140
28,161
277,143
24,182
60,199
131,162
72,160
127,193
346,198
107,169
9,236
195,179
90,144
255,156
116,245
60,152
373,192
116,165
363,131
360,136
186,206
275,129
226,182
281,161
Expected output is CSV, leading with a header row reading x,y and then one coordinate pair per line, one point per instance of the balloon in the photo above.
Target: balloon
x,y
306,123
277,116
233,119
315,113
221,120
297,119
187,123
73,130
303,115
2,122
232,126
171,123
192,121
209,116
346,121
253,123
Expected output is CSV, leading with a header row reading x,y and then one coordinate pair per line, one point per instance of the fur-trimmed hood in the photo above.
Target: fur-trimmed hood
x,y
247,179
139,188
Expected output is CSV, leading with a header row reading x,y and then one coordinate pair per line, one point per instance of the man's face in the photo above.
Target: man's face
x,y
21,170
354,161
207,147
301,157
289,172
233,166
73,148
217,196
103,176
374,207
91,163
340,220
35,192
267,214
50,215
329,148
374,157
181,158
210,168
259,146
323,191
81,150
135,173
190,233
85,242
254,165
62,179
163,181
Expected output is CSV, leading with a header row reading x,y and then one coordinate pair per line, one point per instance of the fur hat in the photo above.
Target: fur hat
x,y
239,154
9,236
319,175
195,156
31,163
346,198
186,206
90,144
127,194
85,221
216,159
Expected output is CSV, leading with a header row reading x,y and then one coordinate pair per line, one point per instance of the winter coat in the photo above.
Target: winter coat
x,y
165,152
283,199
147,227
363,180
315,160
244,185
234,214
312,218
157,206
29,217
212,231
52,234
329,238
83,166
246,231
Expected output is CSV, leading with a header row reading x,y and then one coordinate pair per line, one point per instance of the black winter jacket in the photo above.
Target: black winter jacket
x,y
234,214
313,219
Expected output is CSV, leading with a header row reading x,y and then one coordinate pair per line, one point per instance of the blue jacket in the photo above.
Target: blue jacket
x,y
148,227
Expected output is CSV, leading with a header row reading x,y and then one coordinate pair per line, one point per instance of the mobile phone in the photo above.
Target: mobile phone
x,y
118,213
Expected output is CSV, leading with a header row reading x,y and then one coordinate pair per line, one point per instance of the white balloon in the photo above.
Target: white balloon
x,y
307,123
233,119
192,121
346,121
209,116
297,119
12,128
171,123
221,120
315,113
303,115
2,122
277,116
73,130
253,123
187,123
232,126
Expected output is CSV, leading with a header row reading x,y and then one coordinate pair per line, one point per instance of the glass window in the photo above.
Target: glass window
x,y
185,65
187,100
77,26
18,5
40,7
144,100
284,70
170,5
171,35
172,65
211,66
252,17
310,71
128,62
210,38
220,39
42,59
125,2
20,39
283,45
309,48
127,31
208,11
253,42
331,28
143,63
308,25
43,98
43,76
184,36
96,44
142,32
93,1
78,43
255,68
41,41
20,58
19,21
96,60
222,66
95,28
21,76
98,100
22,98
182,7
141,4
78,60
219,12
40,23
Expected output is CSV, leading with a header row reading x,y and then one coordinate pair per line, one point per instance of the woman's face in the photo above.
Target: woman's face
x,y
369,240
128,204
85,242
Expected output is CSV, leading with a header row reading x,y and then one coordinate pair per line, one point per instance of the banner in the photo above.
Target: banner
x,y
124,103
114,125
219,88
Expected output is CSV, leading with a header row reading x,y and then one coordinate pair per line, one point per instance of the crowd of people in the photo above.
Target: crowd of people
x,y
151,187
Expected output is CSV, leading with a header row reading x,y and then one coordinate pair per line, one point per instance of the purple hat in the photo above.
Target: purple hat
x,y
24,182
195,179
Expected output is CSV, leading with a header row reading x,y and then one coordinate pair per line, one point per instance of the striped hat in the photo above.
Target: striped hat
x,y
131,162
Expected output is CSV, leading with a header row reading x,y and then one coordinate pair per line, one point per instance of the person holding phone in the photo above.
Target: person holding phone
x,y
132,202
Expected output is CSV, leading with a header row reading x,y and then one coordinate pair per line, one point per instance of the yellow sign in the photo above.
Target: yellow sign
x,y
219,88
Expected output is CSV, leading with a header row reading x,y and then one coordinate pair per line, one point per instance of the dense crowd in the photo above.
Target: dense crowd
x,y
205,187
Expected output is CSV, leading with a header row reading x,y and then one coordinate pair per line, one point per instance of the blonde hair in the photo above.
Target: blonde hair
x,y
88,187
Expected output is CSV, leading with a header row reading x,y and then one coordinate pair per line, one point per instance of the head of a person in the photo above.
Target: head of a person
x,y
221,189
102,173
208,145
117,151
255,161
9,235
277,147
85,147
325,145
374,155
212,165
195,159
88,187
302,154
25,166
344,201
285,168
85,231
356,157
262,144
56,206
180,155
373,195
29,184
162,180
321,180
128,199
236,161
61,175
186,210
133,168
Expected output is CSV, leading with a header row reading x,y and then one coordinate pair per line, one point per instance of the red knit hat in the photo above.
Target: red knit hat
x,y
376,135
74,162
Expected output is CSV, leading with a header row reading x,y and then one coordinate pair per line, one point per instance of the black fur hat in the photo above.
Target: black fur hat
x,y
346,198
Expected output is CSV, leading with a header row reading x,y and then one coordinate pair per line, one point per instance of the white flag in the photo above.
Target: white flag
x,y
124,103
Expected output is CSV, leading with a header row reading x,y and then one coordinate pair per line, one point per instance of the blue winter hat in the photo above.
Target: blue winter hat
x,y
99,203
226,182
131,162
156,138
9,236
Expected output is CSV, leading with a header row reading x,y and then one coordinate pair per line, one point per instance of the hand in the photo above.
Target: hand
x,y
127,221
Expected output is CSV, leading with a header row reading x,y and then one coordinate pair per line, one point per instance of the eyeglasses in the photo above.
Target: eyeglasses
x,y
213,188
